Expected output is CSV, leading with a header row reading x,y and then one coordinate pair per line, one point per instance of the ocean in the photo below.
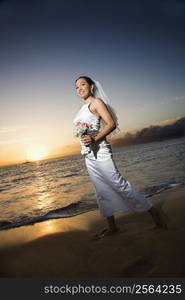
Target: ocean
x,y
60,187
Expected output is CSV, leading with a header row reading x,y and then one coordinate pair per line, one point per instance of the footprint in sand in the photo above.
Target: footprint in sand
x,y
138,267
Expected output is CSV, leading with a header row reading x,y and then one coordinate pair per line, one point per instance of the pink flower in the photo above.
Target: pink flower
x,y
82,124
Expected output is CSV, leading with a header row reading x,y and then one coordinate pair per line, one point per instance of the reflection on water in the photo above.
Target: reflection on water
x,y
44,199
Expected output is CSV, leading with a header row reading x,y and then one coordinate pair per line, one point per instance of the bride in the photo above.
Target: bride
x,y
113,192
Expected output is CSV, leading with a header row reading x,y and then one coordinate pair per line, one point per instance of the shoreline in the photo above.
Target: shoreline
x,y
57,213
64,247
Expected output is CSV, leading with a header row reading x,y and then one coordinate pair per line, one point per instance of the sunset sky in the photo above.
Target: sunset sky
x,y
136,49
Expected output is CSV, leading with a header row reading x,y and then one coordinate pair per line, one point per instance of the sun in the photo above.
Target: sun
x,y
37,152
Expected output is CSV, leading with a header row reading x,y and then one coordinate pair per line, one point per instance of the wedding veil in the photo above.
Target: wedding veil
x,y
98,92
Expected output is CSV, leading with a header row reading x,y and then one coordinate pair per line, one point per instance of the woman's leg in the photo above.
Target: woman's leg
x,y
112,224
159,217
112,228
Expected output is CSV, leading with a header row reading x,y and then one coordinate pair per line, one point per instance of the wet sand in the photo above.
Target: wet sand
x,y
64,247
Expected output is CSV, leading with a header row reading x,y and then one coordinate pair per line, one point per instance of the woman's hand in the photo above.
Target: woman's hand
x,y
87,140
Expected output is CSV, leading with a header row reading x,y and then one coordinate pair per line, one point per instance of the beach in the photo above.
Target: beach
x,y
65,247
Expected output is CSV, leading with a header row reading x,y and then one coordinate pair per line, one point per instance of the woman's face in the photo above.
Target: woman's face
x,y
83,88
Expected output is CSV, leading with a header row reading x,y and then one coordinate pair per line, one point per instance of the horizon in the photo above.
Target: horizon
x,y
117,142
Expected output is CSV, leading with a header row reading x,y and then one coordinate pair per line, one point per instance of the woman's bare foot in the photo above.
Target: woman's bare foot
x,y
105,232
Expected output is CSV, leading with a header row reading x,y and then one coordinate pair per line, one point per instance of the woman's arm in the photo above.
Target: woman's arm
x,y
110,125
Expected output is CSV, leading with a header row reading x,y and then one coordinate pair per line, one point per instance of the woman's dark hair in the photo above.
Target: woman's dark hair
x,y
88,79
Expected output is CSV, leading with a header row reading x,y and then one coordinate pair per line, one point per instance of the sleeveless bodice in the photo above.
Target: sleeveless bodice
x,y
86,116
102,149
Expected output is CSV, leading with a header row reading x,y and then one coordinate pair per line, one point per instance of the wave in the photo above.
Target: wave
x,y
74,209
70,175
163,187
68,211
16,180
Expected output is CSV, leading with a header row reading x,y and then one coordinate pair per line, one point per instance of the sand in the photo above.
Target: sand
x,y
64,247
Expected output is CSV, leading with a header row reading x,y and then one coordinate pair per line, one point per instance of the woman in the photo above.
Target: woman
x,y
113,192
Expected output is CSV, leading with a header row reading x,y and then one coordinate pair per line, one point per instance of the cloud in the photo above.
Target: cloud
x,y
179,98
153,133
15,141
176,98
9,138
166,122
6,129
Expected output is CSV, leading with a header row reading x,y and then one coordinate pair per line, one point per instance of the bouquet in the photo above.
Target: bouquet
x,y
81,129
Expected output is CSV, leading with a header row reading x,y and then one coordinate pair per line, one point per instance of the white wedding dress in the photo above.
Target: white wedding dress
x,y
113,192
